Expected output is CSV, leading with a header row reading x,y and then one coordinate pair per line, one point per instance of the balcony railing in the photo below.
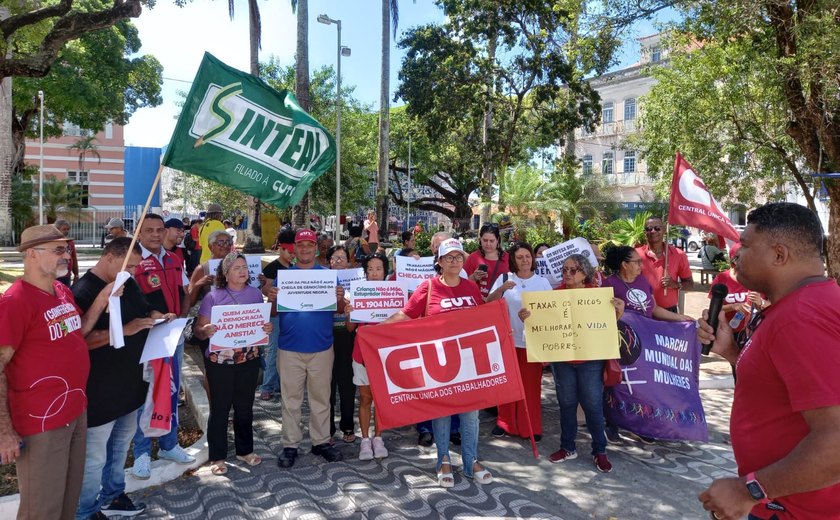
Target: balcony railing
x,y
612,128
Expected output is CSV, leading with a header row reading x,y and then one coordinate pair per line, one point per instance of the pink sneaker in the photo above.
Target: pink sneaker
x,y
602,463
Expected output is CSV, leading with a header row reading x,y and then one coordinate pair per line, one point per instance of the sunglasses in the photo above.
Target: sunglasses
x,y
489,226
571,270
58,251
652,228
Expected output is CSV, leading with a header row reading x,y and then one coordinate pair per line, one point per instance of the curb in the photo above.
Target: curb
x,y
162,470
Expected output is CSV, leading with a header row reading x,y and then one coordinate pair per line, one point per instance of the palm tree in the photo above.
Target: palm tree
x,y
59,194
390,19
301,8
253,235
85,146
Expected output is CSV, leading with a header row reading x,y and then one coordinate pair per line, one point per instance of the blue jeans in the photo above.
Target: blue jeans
x,y
104,477
426,426
580,383
271,378
469,439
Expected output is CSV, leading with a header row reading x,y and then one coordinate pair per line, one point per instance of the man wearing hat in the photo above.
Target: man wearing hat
x,y
305,360
44,369
212,222
115,228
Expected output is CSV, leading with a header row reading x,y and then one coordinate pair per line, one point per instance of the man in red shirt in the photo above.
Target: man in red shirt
x,y
44,368
666,284
785,423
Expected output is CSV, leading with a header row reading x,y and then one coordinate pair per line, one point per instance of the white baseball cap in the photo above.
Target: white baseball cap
x,y
449,245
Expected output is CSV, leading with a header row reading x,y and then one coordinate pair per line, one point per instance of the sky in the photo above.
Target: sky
x,y
179,36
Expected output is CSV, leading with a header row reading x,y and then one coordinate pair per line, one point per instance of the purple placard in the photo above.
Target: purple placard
x,y
659,392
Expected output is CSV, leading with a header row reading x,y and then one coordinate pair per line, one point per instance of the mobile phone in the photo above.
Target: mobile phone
x,y
482,267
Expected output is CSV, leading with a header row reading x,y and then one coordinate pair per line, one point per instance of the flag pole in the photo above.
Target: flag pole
x,y
142,218
667,232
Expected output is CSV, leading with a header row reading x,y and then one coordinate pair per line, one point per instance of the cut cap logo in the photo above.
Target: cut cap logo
x,y
229,120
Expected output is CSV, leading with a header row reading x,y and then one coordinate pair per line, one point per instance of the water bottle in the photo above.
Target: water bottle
x,y
736,320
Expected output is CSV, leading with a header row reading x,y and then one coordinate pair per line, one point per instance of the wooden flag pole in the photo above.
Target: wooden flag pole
x,y
667,232
142,218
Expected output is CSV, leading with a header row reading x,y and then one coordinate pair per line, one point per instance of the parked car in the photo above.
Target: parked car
x,y
695,242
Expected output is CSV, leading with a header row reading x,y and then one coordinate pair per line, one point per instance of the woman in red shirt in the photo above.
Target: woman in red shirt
x,y
489,262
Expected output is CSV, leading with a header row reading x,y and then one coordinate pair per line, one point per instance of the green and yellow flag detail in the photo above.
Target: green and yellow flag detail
x,y
238,131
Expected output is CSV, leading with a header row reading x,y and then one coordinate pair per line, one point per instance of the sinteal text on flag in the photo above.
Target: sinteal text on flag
x,y
238,131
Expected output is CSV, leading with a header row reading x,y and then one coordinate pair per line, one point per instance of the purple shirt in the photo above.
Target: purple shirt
x,y
228,296
637,295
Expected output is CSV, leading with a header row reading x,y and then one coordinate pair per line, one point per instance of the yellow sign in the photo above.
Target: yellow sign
x,y
570,325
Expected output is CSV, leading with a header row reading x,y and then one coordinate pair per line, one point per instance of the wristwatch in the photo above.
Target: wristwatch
x,y
755,489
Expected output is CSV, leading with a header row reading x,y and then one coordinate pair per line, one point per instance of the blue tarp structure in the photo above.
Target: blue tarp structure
x,y
141,166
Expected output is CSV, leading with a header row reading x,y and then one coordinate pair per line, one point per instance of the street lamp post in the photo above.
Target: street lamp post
x,y
41,163
340,51
408,196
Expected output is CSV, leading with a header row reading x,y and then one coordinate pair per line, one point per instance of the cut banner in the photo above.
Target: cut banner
x,y
441,365
693,205
659,392
238,131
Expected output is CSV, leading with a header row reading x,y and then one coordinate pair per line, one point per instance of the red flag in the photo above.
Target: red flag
x,y
441,365
693,205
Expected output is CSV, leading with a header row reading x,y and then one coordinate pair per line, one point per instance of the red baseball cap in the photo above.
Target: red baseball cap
x,y
304,235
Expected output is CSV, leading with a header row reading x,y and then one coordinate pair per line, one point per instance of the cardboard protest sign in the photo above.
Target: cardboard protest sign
x,y
441,365
570,325
346,276
374,302
303,290
239,326
410,272
659,392
556,255
544,271
254,268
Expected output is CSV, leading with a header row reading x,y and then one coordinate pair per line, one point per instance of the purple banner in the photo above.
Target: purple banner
x,y
659,392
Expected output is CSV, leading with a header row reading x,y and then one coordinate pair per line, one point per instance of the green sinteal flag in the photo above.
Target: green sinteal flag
x,y
238,131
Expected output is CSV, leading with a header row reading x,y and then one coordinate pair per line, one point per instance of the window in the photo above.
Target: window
x,y
656,54
607,112
630,109
79,188
109,131
607,163
74,130
79,177
587,164
629,161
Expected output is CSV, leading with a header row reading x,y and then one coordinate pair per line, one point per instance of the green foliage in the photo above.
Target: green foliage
x,y
23,200
628,231
60,194
423,243
538,234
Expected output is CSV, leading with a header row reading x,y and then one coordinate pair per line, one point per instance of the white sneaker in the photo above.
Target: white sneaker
x,y
142,467
379,449
176,454
365,450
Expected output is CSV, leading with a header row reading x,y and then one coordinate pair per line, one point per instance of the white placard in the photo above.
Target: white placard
x,y
239,326
346,276
163,340
303,290
254,268
556,255
374,302
545,272
115,326
410,272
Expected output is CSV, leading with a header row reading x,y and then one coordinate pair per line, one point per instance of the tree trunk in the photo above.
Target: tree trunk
x,y
253,235
301,210
6,150
486,167
384,123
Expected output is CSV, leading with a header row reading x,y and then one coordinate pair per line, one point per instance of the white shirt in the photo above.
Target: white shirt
x,y
513,297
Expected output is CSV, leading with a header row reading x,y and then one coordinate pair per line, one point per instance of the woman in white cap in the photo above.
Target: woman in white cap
x,y
449,292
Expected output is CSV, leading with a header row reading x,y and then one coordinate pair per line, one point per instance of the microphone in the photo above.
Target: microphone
x,y
719,292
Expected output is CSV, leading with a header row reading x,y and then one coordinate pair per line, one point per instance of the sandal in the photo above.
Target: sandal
x,y
349,436
445,480
482,476
218,468
252,459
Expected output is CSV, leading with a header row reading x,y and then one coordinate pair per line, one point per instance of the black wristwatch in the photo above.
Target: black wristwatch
x,y
755,489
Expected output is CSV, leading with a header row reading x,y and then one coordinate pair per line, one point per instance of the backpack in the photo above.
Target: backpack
x,y
189,243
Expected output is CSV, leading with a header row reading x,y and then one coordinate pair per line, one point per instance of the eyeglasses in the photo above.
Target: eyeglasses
x,y
571,270
335,258
239,268
652,228
58,251
223,243
452,259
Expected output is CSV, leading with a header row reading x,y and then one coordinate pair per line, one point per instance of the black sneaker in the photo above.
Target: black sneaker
x,y
426,439
498,431
612,435
287,458
97,516
455,438
329,453
122,506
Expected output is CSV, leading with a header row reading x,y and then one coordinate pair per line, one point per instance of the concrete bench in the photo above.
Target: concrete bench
x,y
707,275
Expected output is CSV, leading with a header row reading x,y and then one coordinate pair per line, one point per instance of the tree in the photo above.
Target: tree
x,y
33,38
85,146
390,21
59,194
253,235
300,213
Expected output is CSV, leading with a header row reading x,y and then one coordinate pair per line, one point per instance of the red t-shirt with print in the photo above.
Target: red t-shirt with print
x,y
787,367
443,298
48,373
737,294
